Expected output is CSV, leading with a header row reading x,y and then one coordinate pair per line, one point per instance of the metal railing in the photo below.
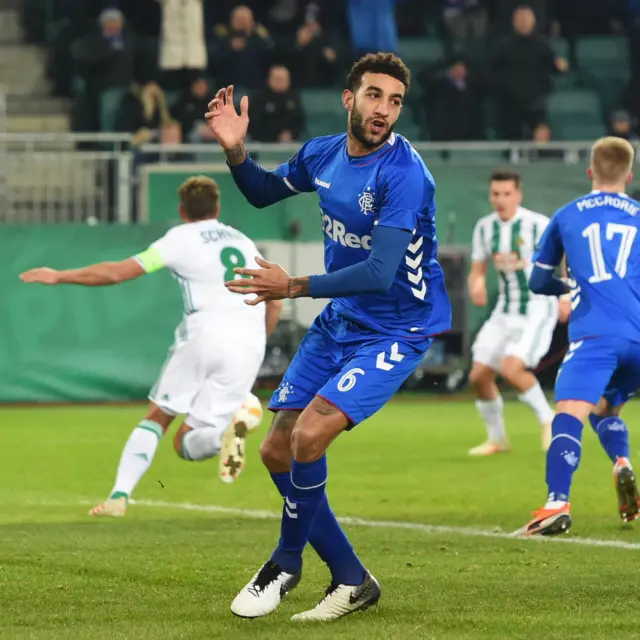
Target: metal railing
x,y
51,178
93,178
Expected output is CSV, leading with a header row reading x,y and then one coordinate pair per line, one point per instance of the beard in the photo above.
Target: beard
x,y
357,128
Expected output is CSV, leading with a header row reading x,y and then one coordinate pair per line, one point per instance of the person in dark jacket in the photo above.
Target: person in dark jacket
x,y
454,102
240,51
276,112
523,64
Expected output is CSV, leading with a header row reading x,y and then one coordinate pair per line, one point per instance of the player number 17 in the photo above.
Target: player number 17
x,y
592,233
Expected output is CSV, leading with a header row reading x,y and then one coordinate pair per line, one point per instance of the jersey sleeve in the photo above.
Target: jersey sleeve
x,y
549,252
408,191
295,172
167,252
479,251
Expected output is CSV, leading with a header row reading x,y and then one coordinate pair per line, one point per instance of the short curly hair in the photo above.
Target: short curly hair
x,y
387,63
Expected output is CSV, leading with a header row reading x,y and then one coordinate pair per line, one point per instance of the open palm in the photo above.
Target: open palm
x,y
227,126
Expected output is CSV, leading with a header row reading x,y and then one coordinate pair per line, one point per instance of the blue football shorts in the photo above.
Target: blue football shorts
x,y
352,367
606,366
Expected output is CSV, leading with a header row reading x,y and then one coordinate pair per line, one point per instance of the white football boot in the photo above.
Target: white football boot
x,y
490,448
113,507
342,599
265,591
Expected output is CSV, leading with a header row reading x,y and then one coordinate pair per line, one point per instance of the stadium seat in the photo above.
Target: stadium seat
x,y
324,124
574,102
321,101
110,100
420,52
577,129
602,56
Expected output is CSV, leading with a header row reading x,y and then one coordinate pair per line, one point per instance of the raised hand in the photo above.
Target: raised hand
x,y
228,127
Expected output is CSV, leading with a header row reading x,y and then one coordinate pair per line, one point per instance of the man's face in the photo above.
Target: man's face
x,y
505,197
524,21
112,27
200,88
374,108
458,71
279,79
242,19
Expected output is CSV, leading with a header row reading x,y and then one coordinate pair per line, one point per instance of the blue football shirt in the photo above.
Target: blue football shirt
x,y
599,235
390,187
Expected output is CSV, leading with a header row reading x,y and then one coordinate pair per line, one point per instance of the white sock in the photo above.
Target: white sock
x,y
555,504
491,412
136,458
201,444
536,399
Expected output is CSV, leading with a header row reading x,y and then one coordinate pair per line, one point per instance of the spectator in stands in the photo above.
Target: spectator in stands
x,y
183,51
622,125
276,112
504,10
465,19
454,102
524,64
189,109
315,60
143,112
105,58
241,50
372,26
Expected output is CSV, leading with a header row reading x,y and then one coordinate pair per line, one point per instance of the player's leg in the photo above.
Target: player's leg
x,y
309,371
614,438
136,458
529,340
172,394
487,351
373,372
577,393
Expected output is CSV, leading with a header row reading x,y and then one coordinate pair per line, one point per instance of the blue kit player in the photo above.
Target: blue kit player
x,y
598,233
388,299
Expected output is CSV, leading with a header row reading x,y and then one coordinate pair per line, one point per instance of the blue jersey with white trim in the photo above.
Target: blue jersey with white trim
x,y
599,235
391,187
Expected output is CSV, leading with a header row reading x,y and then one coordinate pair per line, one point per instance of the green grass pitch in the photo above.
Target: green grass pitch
x,y
171,571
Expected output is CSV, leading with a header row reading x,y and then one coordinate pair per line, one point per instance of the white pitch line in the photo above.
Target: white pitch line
x,y
390,524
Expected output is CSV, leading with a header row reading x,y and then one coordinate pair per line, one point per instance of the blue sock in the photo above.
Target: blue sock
x,y
613,434
308,480
328,539
563,456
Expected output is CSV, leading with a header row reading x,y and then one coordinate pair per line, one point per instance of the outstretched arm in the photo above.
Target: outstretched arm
x,y
95,275
373,275
548,256
260,187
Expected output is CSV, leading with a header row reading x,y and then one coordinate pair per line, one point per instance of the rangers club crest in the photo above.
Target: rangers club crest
x,y
366,200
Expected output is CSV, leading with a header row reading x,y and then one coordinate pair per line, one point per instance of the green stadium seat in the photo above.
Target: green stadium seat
x,y
420,52
476,156
574,102
603,55
321,102
324,124
577,129
110,100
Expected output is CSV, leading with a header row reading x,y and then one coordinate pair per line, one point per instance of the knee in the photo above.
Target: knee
x,y
306,445
511,368
177,441
274,455
480,376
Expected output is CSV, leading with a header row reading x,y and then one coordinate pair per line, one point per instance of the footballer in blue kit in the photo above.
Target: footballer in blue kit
x,y
598,234
387,301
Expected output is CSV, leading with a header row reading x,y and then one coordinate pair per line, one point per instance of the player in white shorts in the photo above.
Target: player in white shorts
x,y
219,345
519,331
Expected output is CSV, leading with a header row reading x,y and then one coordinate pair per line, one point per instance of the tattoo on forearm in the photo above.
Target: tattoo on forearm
x,y
237,154
298,287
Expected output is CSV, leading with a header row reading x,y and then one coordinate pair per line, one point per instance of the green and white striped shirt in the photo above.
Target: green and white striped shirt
x,y
511,246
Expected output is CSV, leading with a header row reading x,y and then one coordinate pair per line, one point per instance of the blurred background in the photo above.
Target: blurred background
x,y
101,119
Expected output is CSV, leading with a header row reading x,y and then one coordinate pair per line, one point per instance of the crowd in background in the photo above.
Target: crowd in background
x,y
275,48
